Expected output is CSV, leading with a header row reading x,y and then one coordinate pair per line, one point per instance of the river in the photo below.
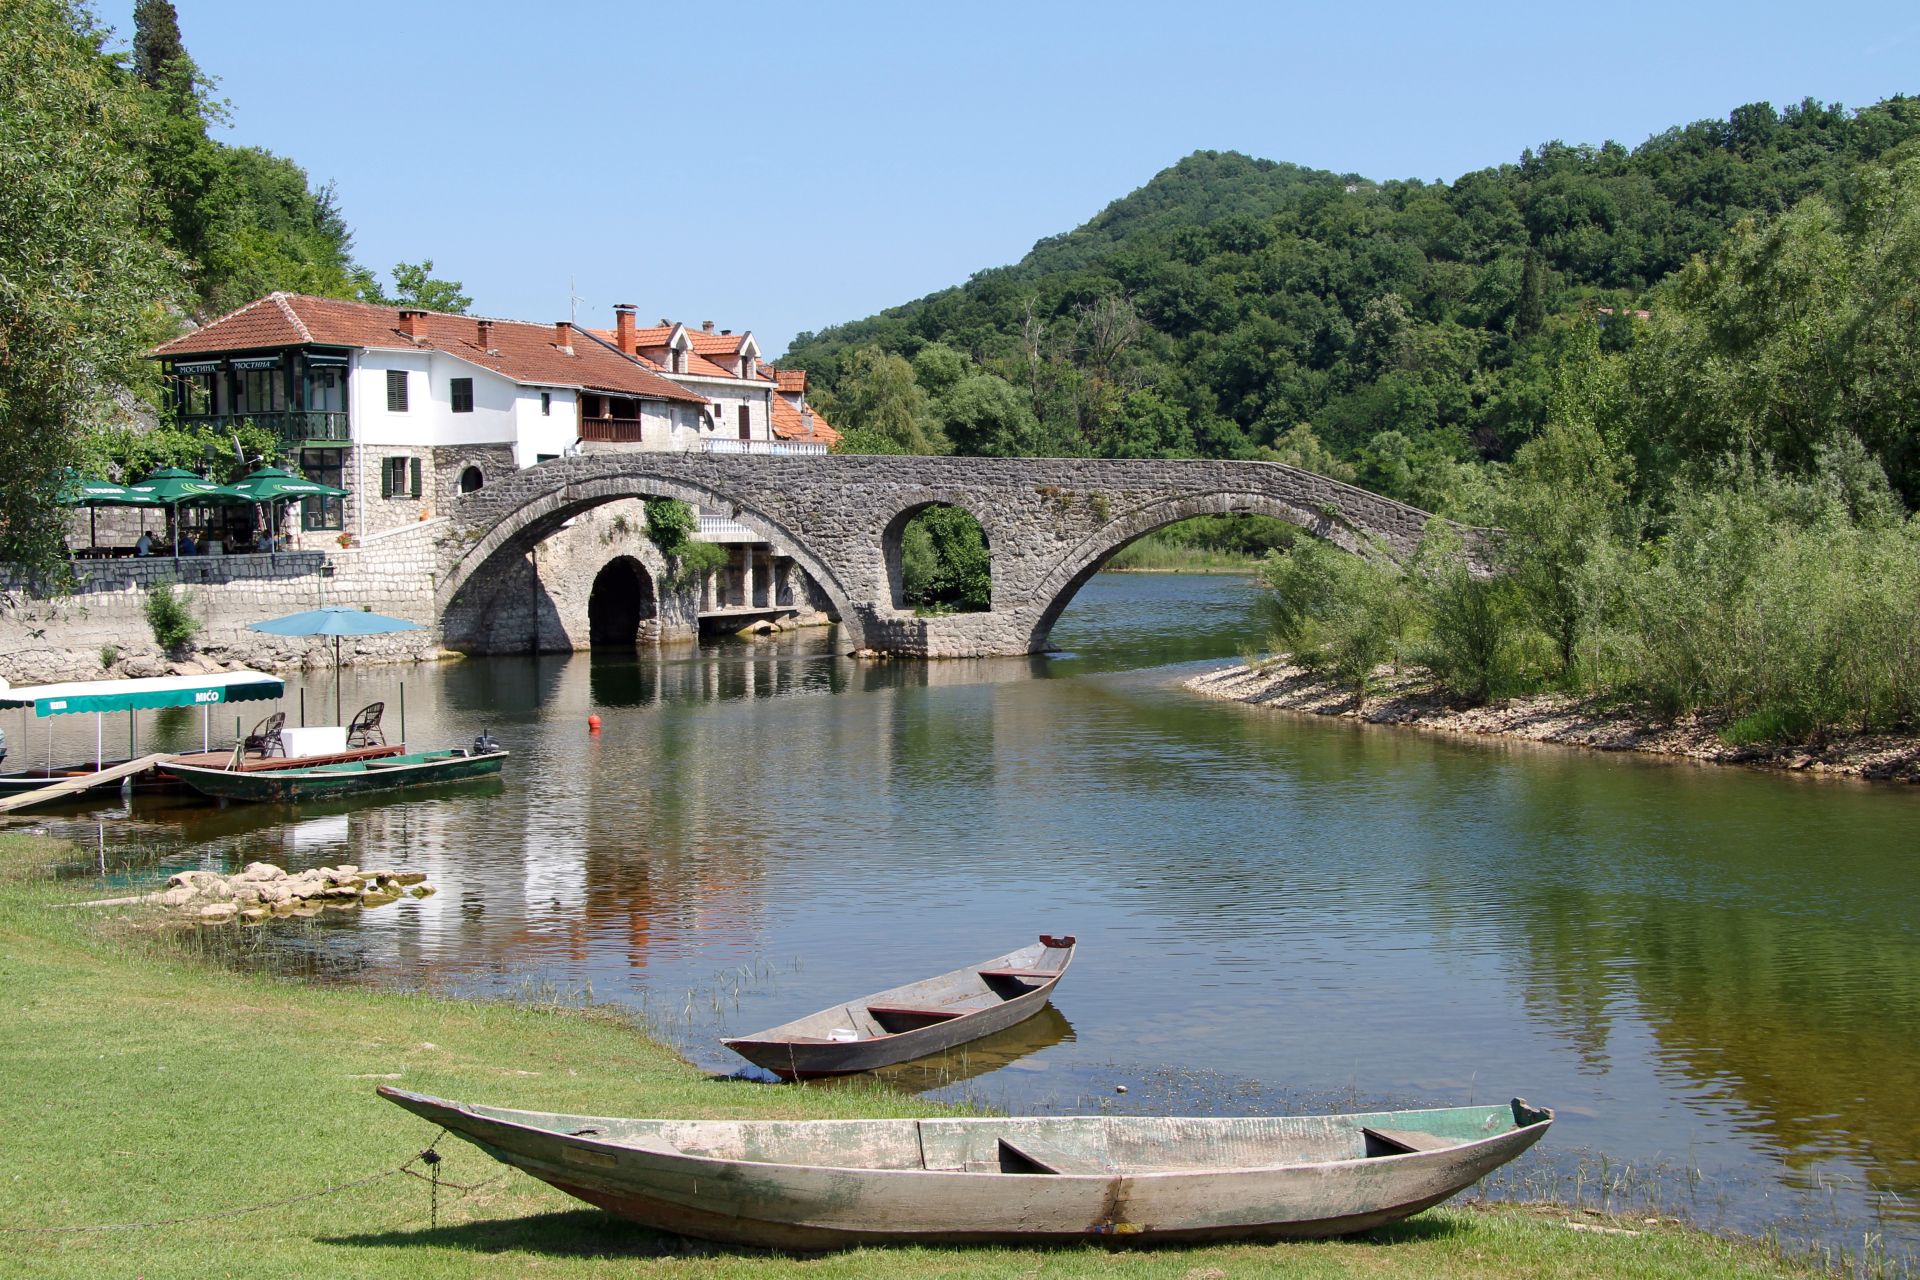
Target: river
x,y
1712,975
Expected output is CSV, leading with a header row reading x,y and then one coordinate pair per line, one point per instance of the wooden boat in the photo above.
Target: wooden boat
x,y
354,777
827,1184
921,1018
155,779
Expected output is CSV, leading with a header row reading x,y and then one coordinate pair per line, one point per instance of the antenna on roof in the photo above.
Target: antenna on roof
x,y
573,304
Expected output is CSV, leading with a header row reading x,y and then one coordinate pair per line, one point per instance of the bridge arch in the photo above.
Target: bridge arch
x,y
1088,556
532,507
622,599
893,541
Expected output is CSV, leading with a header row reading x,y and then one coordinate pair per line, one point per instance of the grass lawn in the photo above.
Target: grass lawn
x,y
139,1083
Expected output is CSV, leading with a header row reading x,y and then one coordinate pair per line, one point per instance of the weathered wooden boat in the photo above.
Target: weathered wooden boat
x,y
827,1184
913,1021
156,778
354,777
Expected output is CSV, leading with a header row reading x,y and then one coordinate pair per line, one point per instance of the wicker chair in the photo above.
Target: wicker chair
x,y
265,738
365,729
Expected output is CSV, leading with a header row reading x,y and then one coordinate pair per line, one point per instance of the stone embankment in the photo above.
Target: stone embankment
x,y
1410,698
263,890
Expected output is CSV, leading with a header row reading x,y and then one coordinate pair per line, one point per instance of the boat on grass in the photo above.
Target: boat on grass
x,y
913,1021
347,778
829,1184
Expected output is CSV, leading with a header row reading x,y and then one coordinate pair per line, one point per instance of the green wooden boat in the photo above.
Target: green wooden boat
x,y
350,778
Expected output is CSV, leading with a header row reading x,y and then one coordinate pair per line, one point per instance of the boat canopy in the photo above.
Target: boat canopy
x,y
139,695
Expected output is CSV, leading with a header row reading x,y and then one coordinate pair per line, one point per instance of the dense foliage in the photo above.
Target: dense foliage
x,y
945,565
82,279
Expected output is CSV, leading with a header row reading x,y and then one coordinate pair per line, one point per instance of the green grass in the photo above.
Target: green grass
x,y
142,1083
1156,553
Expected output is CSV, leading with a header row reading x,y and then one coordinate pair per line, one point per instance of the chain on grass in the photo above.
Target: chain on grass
x,y
429,1157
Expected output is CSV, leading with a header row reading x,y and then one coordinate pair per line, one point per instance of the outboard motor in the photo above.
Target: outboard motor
x,y
484,744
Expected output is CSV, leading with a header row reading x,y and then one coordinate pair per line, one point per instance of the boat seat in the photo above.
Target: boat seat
x,y
1035,1155
1400,1142
908,1011
1031,975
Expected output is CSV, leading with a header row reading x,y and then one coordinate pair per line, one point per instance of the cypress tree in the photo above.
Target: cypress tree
x,y
156,41
1530,310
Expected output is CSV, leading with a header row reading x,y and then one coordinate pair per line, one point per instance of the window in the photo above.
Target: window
x,y
400,478
259,391
325,466
546,408
471,479
396,391
462,394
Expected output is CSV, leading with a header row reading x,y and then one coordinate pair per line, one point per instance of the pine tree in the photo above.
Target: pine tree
x,y
157,46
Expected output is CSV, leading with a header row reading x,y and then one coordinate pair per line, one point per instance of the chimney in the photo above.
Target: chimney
x,y
486,334
726,333
706,326
413,324
563,335
623,332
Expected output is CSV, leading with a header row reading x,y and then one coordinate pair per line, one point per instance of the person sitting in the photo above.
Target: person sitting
x,y
144,547
187,546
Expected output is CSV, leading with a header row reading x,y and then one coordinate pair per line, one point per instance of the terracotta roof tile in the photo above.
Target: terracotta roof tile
x,y
791,379
518,350
790,423
716,344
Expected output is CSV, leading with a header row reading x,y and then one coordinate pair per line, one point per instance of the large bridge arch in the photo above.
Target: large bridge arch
x,y
1081,562
533,507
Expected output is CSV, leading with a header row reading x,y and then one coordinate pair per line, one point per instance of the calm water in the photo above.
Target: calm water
x,y
1712,975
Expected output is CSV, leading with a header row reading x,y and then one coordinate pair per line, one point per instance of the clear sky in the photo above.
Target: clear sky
x,y
782,167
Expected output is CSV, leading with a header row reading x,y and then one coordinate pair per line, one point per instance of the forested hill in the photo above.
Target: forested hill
x,y
1231,300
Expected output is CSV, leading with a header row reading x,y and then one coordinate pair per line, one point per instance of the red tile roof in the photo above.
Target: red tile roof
x,y
526,353
790,423
790,379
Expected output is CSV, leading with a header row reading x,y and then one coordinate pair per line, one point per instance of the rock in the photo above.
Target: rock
x,y
245,896
218,912
178,896
347,868
408,877
379,899
422,891
254,915
262,871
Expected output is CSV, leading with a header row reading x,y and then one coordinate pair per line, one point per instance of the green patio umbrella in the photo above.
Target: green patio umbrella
x,y
93,494
271,485
173,486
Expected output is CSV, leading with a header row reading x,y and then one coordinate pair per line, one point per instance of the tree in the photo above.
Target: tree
x,y
81,281
414,285
880,397
984,416
157,47
1530,310
937,367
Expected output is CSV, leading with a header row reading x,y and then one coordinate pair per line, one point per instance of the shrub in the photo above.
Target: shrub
x,y
1338,612
1474,637
109,655
167,614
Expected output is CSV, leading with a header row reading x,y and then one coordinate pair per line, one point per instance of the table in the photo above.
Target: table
x,y
314,740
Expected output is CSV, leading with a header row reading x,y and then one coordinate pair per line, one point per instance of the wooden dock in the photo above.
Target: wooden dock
x,y
81,782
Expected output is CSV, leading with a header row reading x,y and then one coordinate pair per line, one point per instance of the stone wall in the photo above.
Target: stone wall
x,y
449,461
46,636
372,510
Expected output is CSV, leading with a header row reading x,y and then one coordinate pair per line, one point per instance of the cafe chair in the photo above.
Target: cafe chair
x,y
365,729
265,738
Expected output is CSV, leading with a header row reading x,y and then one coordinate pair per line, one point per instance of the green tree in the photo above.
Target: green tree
x,y
1530,310
414,285
945,565
81,281
880,398
157,47
937,367
984,416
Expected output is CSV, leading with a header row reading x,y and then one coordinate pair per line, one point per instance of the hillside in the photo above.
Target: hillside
x,y
1230,300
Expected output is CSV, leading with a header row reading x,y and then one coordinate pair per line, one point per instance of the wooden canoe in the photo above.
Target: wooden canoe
x,y
828,1184
292,786
913,1021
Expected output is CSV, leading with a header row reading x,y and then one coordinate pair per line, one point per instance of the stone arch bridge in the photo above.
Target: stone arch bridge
x,y
1050,524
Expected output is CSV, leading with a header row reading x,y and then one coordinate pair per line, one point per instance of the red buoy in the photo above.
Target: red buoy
x,y
593,724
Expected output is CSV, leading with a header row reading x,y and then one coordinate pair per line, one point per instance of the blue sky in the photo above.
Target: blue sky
x,y
784,167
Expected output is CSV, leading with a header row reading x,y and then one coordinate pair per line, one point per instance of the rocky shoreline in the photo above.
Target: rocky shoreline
x,y
1410,698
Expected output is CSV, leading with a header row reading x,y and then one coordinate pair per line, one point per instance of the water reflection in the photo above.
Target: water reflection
x,y
1693,965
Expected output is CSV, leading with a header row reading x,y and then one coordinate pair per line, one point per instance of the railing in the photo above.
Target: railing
x,y
292,426
612,430
776,448
721,529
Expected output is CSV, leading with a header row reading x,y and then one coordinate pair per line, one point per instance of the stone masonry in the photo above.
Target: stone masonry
x,y
1050,524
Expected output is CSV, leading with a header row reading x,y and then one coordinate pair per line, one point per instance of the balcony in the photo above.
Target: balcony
x,y
721,529
294,427
772,448
612,430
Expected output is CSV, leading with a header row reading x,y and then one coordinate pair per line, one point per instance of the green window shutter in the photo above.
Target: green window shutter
x,y
414,470
386,477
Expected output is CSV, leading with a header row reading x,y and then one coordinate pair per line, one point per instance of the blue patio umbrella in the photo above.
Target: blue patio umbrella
x,y
335,621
